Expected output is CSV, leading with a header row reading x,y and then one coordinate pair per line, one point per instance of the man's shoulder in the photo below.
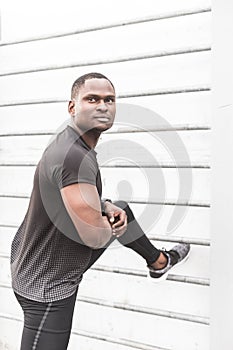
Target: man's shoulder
x,y
65,143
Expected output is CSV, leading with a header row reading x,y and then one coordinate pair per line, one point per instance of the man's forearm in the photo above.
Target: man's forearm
x,y
95,233
102,233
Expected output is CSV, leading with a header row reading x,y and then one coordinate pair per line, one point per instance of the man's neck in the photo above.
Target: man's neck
x,y
90,137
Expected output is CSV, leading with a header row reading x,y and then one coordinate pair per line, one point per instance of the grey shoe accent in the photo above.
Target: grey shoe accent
x,y
179,253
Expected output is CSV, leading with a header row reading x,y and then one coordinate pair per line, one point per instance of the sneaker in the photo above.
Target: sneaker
x,y
178,254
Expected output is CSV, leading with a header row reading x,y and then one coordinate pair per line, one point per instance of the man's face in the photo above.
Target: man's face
x,y
94,107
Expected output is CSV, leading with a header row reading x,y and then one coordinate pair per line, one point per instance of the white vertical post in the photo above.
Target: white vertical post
x,y
221,316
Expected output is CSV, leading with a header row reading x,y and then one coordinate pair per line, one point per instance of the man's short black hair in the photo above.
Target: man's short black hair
x,y
81,81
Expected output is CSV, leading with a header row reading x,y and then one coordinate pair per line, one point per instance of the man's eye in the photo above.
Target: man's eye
x,y
92,99
109,100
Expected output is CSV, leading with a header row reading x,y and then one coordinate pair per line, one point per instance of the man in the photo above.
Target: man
x,y
67,226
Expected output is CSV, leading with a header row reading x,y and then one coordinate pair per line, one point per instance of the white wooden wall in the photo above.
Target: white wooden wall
x,y
221,306
157,53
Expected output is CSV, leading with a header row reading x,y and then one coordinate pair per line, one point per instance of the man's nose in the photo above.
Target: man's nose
x,y
102,107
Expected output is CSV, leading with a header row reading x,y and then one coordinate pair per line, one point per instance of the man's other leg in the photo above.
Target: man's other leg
x,y
159,262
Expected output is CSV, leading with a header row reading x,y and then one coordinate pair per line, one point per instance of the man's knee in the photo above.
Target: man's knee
x,y
122,204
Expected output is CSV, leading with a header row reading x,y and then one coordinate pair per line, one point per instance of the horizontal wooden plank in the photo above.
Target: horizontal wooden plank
x,y
12,211
179,33
11,123
140,273
188,109
176,109
6,237
88,340
126,324
29,148
5,273
182,148
96,285
119,127
144,310
78,21
194,224
155,184
11,331
16,180
118,59
185,70
196,266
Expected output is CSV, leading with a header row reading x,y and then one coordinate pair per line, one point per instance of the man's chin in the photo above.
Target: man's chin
x,y
98,128
103,127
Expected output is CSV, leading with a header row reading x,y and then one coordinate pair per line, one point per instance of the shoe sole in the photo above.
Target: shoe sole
x,y
165,275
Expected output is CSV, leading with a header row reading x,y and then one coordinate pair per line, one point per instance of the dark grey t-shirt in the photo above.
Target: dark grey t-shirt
x,y
47,254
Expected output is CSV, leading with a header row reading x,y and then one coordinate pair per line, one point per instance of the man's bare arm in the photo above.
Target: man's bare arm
x,y
83,206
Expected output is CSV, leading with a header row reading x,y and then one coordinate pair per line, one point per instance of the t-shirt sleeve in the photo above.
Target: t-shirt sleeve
x,y
78,167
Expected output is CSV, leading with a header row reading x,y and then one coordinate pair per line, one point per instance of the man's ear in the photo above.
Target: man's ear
x,y
71,108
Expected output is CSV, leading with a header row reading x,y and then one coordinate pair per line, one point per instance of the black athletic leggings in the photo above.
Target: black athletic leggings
x,y
47,326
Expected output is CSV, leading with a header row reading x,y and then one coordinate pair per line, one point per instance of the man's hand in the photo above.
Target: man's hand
x,y
117,218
